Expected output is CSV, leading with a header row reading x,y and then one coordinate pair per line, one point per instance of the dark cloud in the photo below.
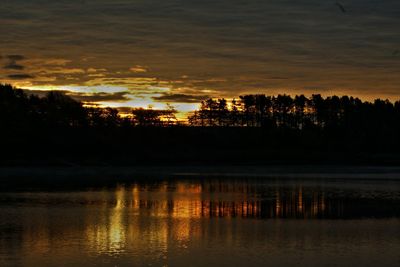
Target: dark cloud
x,y
243,42
13,66
180,98
20,76
15,57
12,62
278,78
100,97
85,97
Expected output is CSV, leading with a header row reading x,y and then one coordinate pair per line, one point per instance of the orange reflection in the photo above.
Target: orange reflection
x,y
183,200
109,235
129,218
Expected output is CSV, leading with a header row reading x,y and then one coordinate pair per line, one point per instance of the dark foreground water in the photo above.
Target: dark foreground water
x,y
203,222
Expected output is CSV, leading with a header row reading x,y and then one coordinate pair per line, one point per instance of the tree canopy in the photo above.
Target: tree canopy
x,y
332,113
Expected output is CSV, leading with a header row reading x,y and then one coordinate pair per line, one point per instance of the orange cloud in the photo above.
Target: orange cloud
x,y
138,69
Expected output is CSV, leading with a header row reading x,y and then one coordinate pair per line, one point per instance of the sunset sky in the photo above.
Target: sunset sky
x,y
132,53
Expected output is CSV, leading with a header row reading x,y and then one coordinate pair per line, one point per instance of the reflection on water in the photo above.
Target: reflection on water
x,y
212,222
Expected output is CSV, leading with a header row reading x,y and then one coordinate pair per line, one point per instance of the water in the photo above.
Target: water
x,y
203,222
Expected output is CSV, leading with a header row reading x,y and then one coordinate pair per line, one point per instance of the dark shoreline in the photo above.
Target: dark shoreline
x,y
257,171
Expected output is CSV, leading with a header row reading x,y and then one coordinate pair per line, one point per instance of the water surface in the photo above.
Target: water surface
x,y
203,222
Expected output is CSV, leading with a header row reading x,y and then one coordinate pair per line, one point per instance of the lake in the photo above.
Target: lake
x,y
203,221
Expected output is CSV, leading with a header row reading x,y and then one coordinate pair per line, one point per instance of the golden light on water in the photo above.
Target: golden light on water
x,y
109,235
183,203
114,221
163,220
176,222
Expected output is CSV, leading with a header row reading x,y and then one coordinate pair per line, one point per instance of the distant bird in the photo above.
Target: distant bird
x,y
341,7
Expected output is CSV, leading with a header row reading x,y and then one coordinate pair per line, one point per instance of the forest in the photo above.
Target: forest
x,y
254,129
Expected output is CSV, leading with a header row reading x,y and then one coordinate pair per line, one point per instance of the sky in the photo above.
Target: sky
x,y
135,53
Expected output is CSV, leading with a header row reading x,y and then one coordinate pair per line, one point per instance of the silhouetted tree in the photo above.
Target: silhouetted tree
x,y
334,115
261,127
152,117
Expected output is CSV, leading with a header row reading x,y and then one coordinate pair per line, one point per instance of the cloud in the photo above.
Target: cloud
x,y
181,98
94,70
49,62
85,97
100,97
15,57
19,76
138,69
278,78
13,66
227,46
12,62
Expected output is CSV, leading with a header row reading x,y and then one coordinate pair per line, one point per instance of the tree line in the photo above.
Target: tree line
x,y
258,110
300,112
254,129
56,109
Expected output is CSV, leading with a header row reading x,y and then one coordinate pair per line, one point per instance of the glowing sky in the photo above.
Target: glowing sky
x,y
140,52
